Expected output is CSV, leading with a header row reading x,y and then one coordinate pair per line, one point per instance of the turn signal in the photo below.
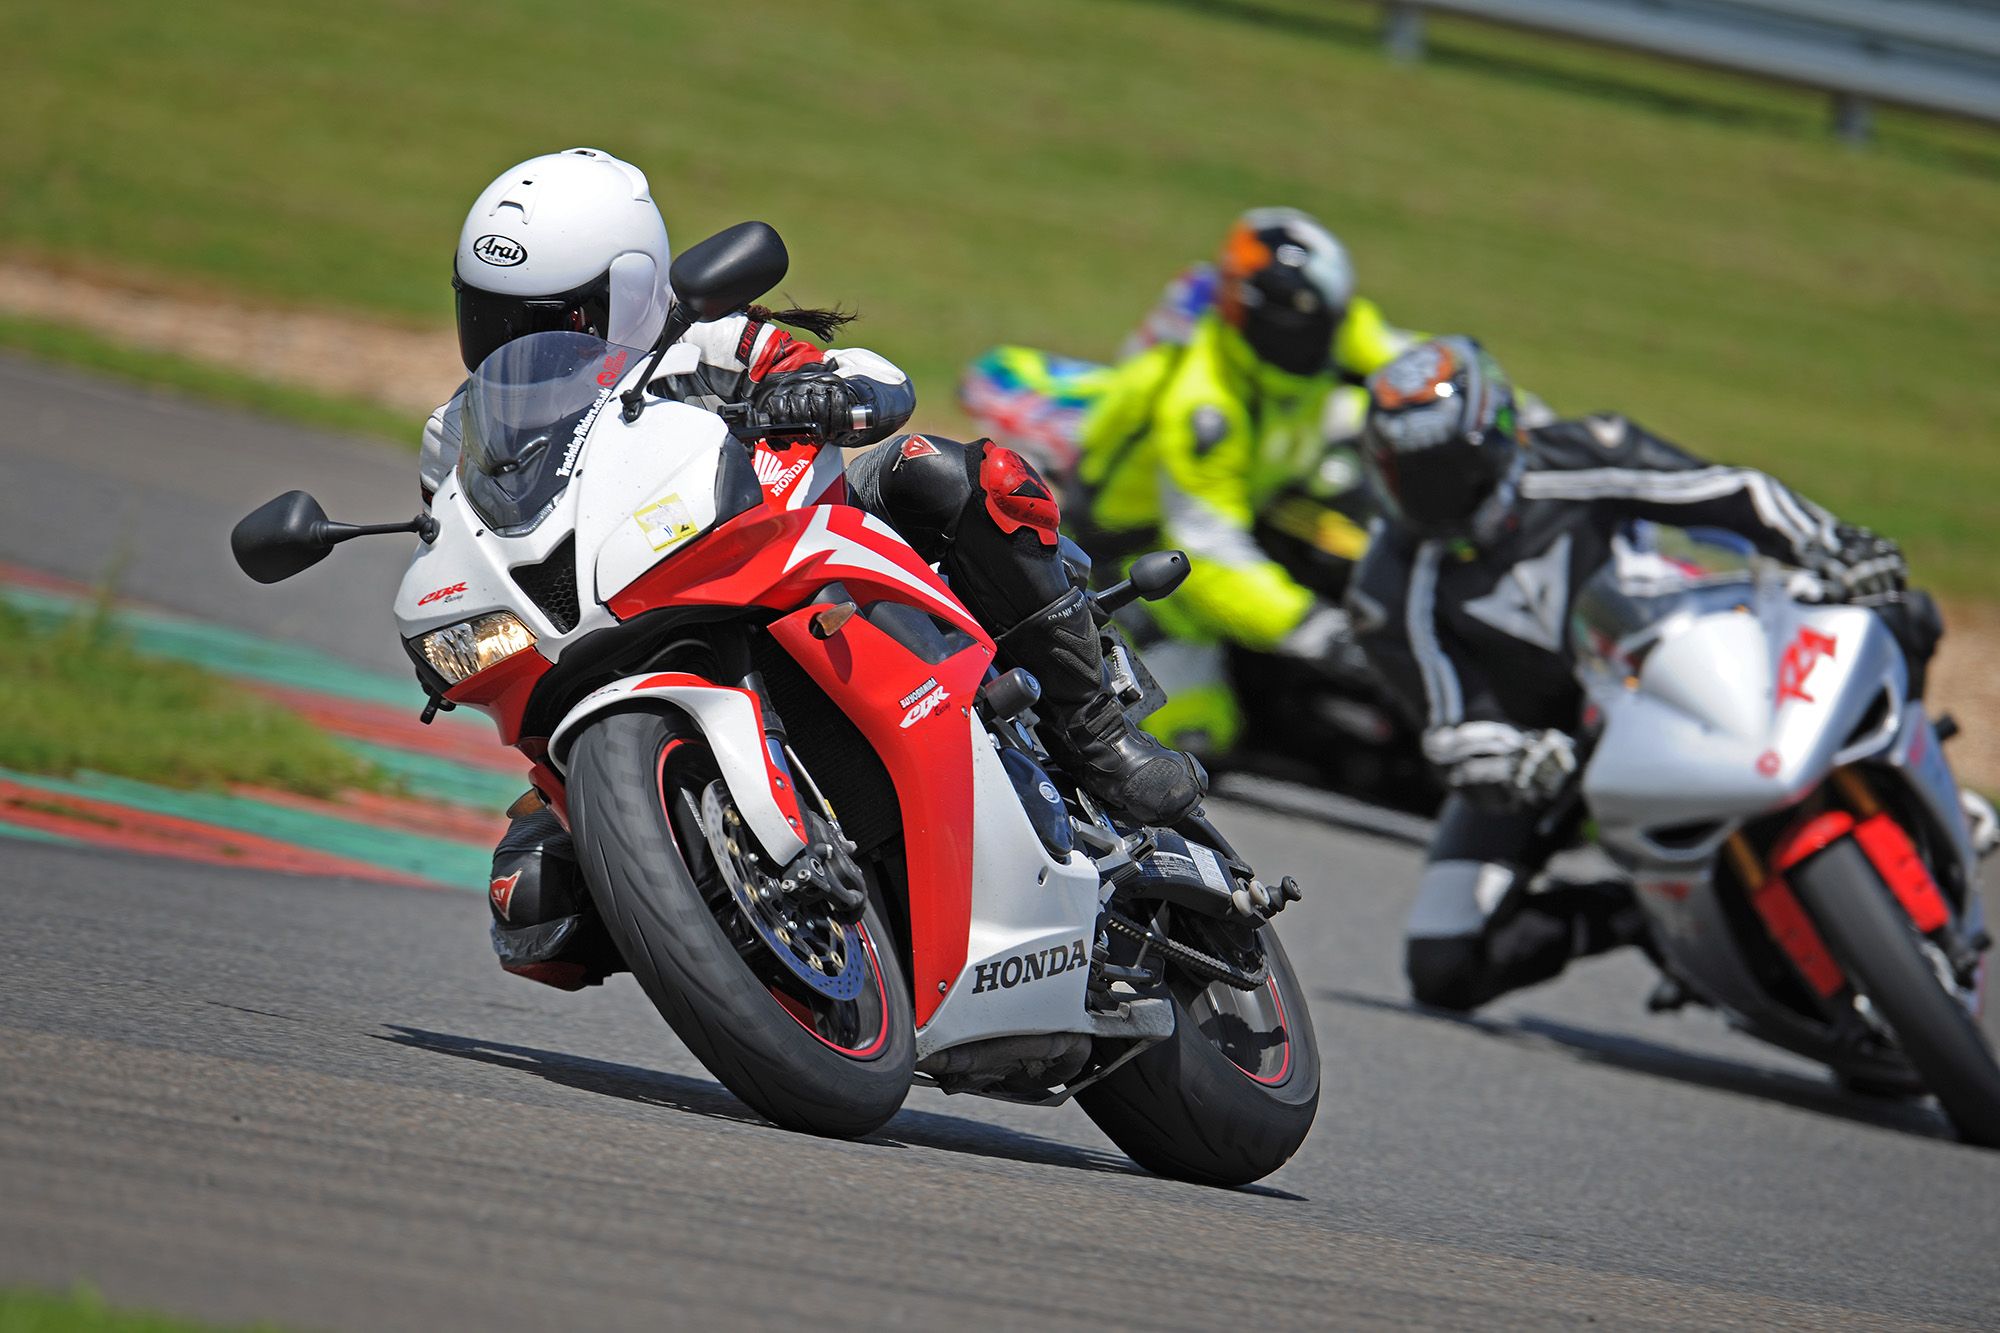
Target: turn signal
x,y
469,647
826,621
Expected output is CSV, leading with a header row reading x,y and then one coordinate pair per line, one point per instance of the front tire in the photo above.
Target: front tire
x,y
1231,1095
629,781
1875,944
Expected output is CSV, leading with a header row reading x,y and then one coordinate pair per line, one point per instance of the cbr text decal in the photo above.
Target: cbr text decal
x,y
921,702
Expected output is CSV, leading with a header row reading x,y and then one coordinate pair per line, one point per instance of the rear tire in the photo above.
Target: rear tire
x,y
1185,1109
669,933
1871,937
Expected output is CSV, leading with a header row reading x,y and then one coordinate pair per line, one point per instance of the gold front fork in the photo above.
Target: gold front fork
x,y
1744,861
1853,789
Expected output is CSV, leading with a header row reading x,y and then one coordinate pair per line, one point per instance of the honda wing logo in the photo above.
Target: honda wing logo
x,y
772,473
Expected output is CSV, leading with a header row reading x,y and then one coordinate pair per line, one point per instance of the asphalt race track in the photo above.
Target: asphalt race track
x,y
242,1096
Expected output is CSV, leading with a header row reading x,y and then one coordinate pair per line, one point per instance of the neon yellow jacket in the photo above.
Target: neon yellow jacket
x,y
1188,444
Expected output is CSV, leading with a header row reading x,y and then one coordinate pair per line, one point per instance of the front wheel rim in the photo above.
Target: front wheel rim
x,y
856,1025
843,1016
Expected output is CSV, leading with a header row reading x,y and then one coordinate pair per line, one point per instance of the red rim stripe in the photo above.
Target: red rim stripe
x,y
1286,1067
800,1014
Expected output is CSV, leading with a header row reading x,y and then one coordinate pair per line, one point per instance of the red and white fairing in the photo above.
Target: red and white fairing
x,y
990,909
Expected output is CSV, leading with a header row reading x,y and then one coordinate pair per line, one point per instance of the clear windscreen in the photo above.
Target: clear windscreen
x,y
1658,579
527,410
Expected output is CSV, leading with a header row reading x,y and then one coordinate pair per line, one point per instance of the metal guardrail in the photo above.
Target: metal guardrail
x,y
1934,55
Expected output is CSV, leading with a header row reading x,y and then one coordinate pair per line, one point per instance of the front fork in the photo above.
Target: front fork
x,y
1850,808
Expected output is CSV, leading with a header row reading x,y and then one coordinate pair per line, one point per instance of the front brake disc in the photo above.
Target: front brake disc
x,y
824,955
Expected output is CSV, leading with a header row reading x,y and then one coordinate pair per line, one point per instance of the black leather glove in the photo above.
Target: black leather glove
x,y
1865,566
806,402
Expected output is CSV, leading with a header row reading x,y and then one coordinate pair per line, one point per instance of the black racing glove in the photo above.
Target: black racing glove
x,y
1865,567
807,402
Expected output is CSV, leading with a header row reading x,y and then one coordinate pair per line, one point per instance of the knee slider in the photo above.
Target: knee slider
x,y
1445,973
535,875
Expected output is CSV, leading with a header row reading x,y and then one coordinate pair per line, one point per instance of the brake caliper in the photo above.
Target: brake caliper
x,y
825,874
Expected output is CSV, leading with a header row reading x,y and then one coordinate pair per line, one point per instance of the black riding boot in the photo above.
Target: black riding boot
x,y
544,925
988,518
1123,767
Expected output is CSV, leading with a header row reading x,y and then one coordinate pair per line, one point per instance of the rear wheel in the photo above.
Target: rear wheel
x,y
804,1018
1230,1096
1905,980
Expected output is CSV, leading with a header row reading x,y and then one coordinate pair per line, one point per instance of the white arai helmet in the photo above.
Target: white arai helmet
x,y
568,240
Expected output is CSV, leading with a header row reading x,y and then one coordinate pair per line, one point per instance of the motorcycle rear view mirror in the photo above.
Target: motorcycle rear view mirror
x,y
729,270
1151,577
712,279
291,534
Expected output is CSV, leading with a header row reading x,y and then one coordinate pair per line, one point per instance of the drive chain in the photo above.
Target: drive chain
x,y
1191,959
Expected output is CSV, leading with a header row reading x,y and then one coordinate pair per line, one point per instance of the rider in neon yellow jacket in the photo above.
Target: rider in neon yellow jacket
x,y
1187,445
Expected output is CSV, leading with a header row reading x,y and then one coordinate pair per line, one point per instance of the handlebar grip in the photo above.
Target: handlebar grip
x,y
744,417
786,428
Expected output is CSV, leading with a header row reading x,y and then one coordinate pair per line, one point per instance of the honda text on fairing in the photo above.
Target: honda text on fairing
x,y
818,826
1795,833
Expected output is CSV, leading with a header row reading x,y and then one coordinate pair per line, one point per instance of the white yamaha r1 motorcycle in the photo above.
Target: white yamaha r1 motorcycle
x,y
817,824
1791,822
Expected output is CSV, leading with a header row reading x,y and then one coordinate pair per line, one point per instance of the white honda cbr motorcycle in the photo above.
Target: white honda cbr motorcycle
x,y
816,823
1790,820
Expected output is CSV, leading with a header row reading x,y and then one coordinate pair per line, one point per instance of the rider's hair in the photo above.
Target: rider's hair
x,y
820,321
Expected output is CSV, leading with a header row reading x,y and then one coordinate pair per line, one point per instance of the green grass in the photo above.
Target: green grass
x,y
83,1311
78,348
78,697
1689,247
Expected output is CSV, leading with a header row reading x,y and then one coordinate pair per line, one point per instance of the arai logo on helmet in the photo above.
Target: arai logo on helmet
x,y
499,251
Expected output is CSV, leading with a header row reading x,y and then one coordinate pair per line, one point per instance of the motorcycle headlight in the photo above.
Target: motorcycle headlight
x,y
469,647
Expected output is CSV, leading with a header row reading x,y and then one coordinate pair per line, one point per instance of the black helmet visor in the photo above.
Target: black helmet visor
x,y
488,321
1436,491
